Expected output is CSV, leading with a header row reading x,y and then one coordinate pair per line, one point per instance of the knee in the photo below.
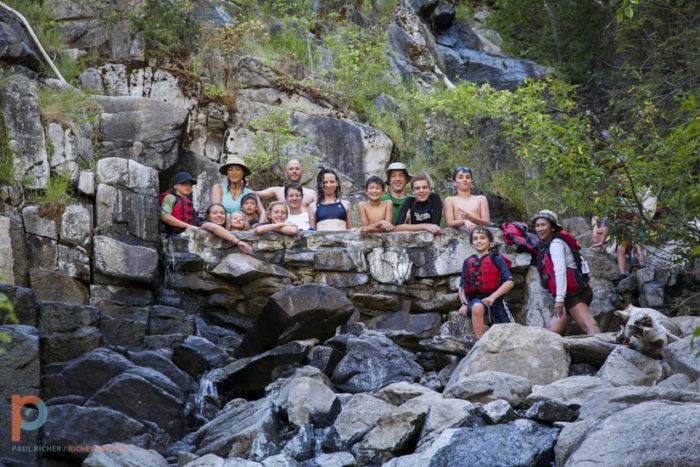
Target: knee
x,y
478,310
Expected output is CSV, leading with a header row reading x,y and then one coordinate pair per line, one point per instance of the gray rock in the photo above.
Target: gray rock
x,y
279,460
74,262
197,355
212,460
126,173
569,391
342,280
537,302
356,418
20,106
398,393
302,312
498,411
548,411
123,325
117,261
627,367
324,358
652,295
124,455
64,156
13,251
64,346
86,182
57,286
681,355
308,401
443,15
19,372
533,353
121,212
336,459
651,433
678,381
169,320
63,317
304,444
38,222
443,414
449,345
23,303
17,47
371,362
243,268
605,402
116,295
487,386
390,265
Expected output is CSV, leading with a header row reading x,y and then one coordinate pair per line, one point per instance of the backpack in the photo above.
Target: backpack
x,y
480,276
576,278
183,210
518,234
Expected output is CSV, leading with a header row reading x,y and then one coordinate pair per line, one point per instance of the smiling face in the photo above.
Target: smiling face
x,y
278,213
543,228
330,184
184,188
481,242
421,190
235,173
237,221
293,171
294,198
374,191
217,215
248,207
463,181
397,180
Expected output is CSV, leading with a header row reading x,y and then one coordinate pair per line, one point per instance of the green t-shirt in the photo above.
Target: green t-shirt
x,y
396,205
167,205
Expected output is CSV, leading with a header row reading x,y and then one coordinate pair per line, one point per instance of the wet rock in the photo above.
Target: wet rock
x,y
23,303
56,286
498,411
487,386
371,362
308,401
118,454
569,391
63,317
356,418
169,320
548,411
117,262
533,353
303,445
302,312
398,393
442,16
681,356
627,367
197,355
159,362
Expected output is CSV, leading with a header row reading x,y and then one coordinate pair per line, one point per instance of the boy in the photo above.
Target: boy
x,y
375,215
466,211
176,208
423,211
485,280
249,206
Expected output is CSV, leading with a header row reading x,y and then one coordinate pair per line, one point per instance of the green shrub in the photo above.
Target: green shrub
x,y
69,107
57,192
166,26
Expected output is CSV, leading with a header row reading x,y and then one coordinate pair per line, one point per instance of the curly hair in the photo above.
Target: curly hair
x,y
319,184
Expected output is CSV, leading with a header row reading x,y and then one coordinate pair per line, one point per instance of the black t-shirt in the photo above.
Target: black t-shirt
x,y
429,212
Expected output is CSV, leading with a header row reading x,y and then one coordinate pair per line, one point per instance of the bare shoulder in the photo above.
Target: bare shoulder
x,y
346,204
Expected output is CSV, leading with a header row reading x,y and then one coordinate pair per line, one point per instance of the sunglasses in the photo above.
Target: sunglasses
x,y
463,168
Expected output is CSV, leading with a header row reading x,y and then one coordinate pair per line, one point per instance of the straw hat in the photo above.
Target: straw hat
x,y
397,166
234,160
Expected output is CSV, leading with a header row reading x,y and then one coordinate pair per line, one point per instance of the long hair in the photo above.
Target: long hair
x,y
213,205
319,184
273,205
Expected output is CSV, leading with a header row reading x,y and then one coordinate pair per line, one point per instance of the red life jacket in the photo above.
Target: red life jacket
x,y
183,210
480,276
576,280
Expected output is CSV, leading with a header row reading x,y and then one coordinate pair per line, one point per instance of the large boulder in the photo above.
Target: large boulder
x,y
568,391
241,269
488,386
359,415
197,355
23,303
17,47
126,455
302,312
14,263
306,400
115,261
627,367
57,286
605,402
371,361
533,353
682,356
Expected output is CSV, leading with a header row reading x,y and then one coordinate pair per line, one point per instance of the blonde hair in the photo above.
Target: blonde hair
x,y
246,226
272,206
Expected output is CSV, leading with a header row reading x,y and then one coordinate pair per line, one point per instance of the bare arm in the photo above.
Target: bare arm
x,y
281,227
309,197
268,193
348,215
432,228
262,215
506,287
216,194
484,217
312,215
172,221
226,235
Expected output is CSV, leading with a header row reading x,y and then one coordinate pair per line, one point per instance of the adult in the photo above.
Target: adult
x,y
397,177
563,272
465,210
294,195
216,224
230,192
423,211
293,172
329,212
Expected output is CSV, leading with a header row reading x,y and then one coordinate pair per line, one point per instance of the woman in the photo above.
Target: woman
x,y
564,273
230,192
329,212
294,195
216,224
278,221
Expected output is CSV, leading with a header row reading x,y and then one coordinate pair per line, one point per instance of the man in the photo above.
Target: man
x,y
293,172
397,177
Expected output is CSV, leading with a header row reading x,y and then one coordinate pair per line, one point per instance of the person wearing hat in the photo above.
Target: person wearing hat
x,y
465,210
397,177
176,208
230,192
293,172
564,273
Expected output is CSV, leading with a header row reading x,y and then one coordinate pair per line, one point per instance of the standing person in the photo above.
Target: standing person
x,y
329,212
278,221
293,172
397,177
423,211
465,210
294,194
249,207
375,215
216,224
564,273
177,211
230,192
484,281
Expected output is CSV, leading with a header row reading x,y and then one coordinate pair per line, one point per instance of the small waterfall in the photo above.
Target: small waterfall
x,y
206,394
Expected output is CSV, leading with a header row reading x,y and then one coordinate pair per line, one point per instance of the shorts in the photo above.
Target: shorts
x,y
584,296
497,313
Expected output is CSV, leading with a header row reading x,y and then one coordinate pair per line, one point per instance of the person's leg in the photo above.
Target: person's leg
x,y
640,255
478,319
583,317
622,258
557,324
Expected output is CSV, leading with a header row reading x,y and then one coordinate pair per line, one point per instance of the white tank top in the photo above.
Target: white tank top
x,y
300,220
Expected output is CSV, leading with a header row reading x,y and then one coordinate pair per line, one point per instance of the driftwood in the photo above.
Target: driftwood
x,y
593,350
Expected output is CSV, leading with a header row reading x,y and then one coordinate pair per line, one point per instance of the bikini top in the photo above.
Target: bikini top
x,y
331,211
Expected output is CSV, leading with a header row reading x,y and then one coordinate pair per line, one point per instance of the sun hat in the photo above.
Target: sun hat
x,y
550,216
234,160
182,177
397,166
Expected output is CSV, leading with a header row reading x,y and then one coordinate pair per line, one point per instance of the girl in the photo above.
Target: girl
x,y
329,212
278,221
216,224
485,280
294,195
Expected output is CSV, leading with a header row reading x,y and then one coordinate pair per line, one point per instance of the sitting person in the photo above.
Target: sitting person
x,y
278,221
249,207
466,211
177,211
423,212
294,195
216,224
375,215
293,172
329,212
397,177
230,192
485,280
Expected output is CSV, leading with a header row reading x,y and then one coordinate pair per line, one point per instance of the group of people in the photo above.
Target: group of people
x,y
485,279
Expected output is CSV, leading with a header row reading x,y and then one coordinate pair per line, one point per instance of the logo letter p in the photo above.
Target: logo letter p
x,y
19,423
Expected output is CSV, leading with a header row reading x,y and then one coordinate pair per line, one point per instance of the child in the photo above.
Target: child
x,y
278,221
485,280
422,212
216,224
249,206
466,210
238,222
176,208
375,215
